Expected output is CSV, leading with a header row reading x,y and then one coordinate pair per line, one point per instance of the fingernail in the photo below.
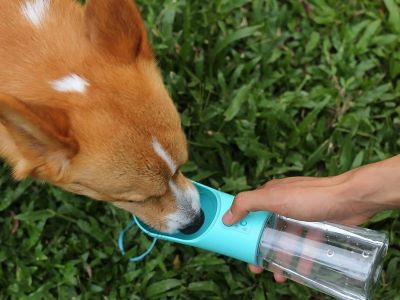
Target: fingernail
x,y
227,218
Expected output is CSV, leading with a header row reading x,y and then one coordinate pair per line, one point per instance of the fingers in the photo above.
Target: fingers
x,y
303,198
288,244
258,270
279,278
229,218
245,202
255,269
297,197
242,204
309,252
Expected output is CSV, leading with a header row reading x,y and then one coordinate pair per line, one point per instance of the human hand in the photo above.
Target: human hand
x,y
303,198
344,199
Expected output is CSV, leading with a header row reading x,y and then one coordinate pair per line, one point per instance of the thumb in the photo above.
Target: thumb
x,y
243,203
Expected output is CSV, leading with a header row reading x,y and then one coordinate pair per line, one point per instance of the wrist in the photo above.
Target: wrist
x,y
375,186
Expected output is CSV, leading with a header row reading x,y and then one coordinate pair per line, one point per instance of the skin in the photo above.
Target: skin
x,y
350,198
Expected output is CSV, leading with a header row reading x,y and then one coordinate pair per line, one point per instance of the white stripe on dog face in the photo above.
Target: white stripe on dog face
x,y
187,198
70,83
158,148
35,11
188,203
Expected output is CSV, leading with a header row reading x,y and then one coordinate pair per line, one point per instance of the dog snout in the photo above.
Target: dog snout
x,y
195,225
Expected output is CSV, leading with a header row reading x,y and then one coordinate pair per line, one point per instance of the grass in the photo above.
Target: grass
x,y
266,89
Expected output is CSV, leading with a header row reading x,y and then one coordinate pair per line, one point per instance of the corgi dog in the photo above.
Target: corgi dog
x,y
83,107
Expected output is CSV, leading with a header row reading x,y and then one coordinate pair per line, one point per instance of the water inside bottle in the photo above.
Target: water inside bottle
x,y
341,261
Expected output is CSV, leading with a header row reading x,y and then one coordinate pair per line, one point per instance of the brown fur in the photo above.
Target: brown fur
x,y
99,143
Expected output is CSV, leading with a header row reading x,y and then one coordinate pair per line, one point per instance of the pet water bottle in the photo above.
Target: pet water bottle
x,y
341,261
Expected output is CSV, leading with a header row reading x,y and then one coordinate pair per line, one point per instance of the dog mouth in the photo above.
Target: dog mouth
x,y
195,225
184,221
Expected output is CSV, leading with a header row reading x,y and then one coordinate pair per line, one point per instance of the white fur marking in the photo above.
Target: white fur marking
x,y
164,155
186,197
193,194
188,202
175,221
35,10
70,83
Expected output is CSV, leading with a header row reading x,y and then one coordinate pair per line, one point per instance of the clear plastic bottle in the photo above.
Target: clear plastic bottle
x,y
341,261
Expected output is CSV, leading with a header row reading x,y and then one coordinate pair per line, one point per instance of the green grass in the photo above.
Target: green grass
x,y
265,89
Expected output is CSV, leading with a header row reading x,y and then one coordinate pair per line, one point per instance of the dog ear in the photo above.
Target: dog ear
x,y
115,26
37,140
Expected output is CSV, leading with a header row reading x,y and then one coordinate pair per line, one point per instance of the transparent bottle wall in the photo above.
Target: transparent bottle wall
x,y
341,261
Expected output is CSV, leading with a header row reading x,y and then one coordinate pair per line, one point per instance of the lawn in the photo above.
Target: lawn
x,y
266,89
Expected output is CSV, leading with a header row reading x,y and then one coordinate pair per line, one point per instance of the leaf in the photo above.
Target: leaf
x,y
312,42
235,184
36,215
305,124
227,6
237,102
203,174
346,154
209,260
14,194
241,33
161,287
381,216
91,228
368,34
316,156
358,160
260,294
394,14
167,21
393,267
323,13
204,286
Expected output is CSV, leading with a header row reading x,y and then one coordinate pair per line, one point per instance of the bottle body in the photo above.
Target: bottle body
x,y
341,261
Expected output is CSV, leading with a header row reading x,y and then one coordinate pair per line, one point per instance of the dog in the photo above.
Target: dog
x,y
83,107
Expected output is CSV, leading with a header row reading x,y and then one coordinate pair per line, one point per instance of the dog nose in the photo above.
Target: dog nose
x,y
195,225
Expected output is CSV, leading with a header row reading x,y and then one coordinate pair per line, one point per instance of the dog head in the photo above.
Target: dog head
x,y
96,118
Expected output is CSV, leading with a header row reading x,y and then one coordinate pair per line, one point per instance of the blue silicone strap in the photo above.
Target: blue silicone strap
x,y
121,245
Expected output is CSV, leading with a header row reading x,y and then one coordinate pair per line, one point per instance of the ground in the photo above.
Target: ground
x,y
266,89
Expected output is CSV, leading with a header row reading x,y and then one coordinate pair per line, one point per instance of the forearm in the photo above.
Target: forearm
x,y
377,184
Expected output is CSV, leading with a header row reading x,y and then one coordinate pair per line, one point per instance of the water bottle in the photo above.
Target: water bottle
x,y
341,261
